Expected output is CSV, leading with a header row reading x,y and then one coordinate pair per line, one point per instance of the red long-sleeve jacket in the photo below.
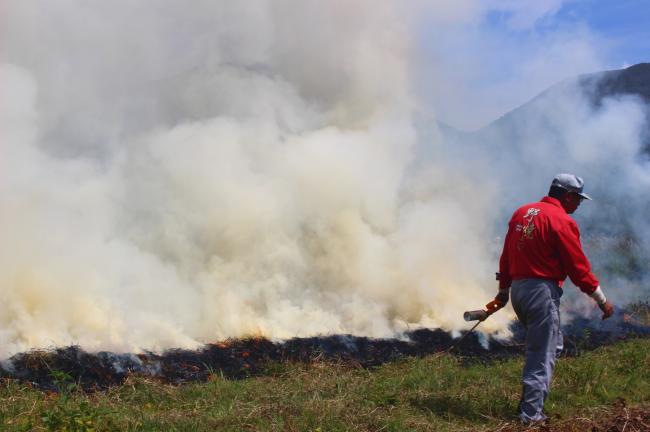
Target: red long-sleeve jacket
x,y
543,241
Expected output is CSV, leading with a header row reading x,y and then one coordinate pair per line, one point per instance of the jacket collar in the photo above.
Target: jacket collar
x,y
551,200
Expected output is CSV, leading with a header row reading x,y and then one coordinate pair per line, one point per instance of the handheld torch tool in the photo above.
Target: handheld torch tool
x,y
479,316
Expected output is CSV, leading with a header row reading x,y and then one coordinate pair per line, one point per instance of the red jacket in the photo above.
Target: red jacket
x,y
543,241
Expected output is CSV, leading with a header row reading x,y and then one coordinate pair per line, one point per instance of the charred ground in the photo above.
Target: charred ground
x,y
241,358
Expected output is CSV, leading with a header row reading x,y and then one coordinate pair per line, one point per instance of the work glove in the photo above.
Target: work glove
x,y
499,301
607,308
603,303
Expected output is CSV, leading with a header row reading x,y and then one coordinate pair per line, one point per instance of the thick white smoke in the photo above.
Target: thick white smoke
x,y
569,129
175,173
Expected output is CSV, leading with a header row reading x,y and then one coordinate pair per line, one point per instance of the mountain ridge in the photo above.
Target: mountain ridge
x,y
631,81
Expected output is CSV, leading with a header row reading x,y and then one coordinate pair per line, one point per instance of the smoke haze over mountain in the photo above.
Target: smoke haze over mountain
x,y
580,126
177,173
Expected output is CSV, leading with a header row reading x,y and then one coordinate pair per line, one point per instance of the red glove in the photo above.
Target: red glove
x,y
499,301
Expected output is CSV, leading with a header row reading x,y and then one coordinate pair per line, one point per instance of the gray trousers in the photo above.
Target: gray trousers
x,y
537,305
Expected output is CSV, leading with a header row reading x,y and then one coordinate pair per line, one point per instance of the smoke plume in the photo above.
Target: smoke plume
x,y
176,173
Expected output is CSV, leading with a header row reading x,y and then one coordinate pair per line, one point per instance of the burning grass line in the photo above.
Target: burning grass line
x,y
304,396
248,357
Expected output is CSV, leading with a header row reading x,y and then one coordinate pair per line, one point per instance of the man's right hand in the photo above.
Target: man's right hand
x,y
607,308
499,301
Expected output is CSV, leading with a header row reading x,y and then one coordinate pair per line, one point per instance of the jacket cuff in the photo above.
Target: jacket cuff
x,y
598,296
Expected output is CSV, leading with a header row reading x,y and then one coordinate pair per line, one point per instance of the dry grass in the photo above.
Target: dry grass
x,y
436,393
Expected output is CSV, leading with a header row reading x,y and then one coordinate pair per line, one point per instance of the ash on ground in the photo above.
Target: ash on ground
x,y
241,358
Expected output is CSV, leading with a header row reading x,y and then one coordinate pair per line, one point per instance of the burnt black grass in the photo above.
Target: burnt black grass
x,y
438,392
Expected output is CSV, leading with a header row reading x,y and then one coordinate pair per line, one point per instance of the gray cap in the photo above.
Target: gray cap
x,y
570,182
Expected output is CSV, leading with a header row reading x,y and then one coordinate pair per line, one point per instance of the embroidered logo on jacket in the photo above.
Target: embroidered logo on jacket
x,y
528,229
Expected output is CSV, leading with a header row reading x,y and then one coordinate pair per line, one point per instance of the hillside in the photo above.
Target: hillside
x,y
597,88
634,80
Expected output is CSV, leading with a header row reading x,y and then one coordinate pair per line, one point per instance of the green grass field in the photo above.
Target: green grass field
x,y
435,393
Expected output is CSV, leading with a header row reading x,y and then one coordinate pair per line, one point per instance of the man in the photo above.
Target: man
x,y
542,247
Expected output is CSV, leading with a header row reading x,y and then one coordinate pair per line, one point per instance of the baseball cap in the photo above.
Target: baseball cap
x,y
570,182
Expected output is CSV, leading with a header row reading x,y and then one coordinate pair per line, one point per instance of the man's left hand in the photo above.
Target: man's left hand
x,y
607,308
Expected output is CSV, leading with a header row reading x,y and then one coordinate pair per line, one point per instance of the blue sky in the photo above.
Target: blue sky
x,y
480,59
626,23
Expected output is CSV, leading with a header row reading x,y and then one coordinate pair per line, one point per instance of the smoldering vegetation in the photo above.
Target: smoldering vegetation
x,y
170,178
241,358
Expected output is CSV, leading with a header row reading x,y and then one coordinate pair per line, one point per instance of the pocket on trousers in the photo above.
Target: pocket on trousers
x,y
557,343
